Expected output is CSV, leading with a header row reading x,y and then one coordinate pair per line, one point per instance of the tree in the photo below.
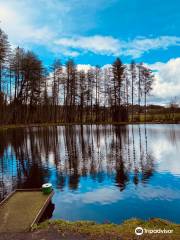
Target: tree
x,y
118,80
71,89
28,74
107,93
133,81
127,89
56,81
4,48
139,87
147,81
28,93
82,93
173,105
90,82
97,79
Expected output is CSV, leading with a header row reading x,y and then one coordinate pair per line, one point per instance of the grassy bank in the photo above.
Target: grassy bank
x,y
12,126
159,117
124,231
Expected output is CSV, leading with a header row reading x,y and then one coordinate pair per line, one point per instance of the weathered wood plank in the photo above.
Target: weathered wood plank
x,y
21,209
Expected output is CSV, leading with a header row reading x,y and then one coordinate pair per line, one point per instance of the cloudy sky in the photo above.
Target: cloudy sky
x,y
95,32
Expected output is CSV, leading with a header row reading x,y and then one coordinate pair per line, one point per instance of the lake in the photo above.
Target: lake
x,y
104,173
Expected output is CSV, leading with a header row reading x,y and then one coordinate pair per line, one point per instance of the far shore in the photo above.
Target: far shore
x,y
12,126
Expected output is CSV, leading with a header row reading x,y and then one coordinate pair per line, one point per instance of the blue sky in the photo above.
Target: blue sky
x,y
95,32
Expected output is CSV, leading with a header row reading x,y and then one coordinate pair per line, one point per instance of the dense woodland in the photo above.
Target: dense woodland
x,y
30,93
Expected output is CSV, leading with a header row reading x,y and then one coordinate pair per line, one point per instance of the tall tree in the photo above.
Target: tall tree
x,y
147,81
56,81
90,80
4,49
71,89
133,81
97,75
82,93
139,87
118,78
68,95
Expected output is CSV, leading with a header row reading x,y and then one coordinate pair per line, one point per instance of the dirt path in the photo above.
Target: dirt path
x,y
53,234
41,235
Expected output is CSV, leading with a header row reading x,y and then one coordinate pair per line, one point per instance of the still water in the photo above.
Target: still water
x,y
103,173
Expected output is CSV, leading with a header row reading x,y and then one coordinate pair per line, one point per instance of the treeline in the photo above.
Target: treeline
x,y
30,93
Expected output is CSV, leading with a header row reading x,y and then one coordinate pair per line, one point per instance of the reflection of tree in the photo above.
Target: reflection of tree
x,y
172,134
63,155
72,153
135,178
23,160
147,166
121,172
48,212
121,176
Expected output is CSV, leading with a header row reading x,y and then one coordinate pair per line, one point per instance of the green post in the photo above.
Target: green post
x,y
47,188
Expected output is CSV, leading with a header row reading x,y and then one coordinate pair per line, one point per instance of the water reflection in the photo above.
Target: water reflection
x,y
48,213
68,156
28,155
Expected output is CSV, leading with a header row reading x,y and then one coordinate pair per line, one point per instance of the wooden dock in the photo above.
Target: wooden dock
x,y
21,209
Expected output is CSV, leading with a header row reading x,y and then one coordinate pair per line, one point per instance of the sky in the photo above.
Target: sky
x,y
97,31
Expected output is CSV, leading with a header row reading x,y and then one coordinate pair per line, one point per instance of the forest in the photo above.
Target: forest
x,y
61,93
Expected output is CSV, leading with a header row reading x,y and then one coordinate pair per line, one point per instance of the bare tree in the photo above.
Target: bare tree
x,y
147,81
30,93
133,82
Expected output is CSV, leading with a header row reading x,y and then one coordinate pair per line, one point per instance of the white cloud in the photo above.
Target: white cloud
x,y
84,67
167,84
40,22
141,45
105,195
102,196
43,22
107,45
66,52
18,22
96,44
167,80
111,194
26,24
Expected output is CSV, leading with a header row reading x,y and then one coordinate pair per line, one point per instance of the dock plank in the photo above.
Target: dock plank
x,y
21,210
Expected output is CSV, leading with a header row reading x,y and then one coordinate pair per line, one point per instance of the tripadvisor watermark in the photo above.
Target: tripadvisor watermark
x,y
140,231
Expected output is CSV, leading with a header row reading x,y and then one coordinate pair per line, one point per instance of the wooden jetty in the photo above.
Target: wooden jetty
x,y
21,209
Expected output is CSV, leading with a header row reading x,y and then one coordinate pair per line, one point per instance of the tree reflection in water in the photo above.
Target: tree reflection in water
x,y
63,154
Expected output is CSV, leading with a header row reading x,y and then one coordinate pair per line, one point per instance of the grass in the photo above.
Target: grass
x,y
156,119
123,231
150,118
165,117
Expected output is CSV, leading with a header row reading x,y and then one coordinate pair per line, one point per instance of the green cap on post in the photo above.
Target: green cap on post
x,y
47,188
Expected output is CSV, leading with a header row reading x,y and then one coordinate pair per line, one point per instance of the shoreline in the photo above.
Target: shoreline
x,y
12,126
124,231
82,230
